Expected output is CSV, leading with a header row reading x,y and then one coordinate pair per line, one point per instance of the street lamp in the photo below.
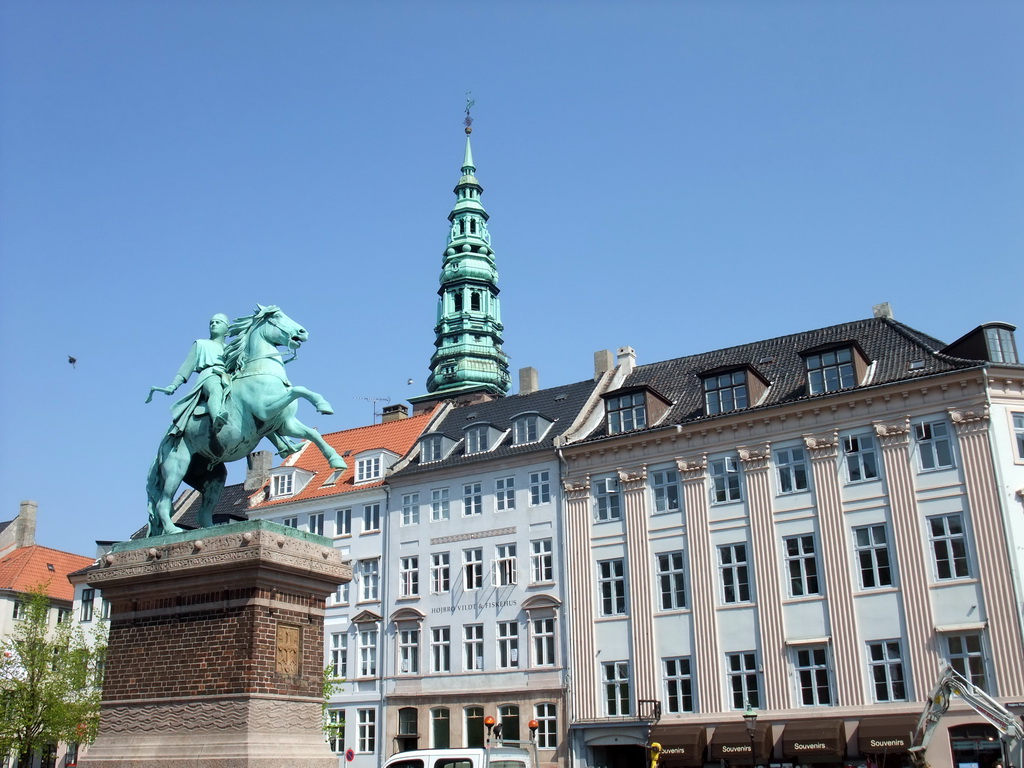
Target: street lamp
x,y
750,720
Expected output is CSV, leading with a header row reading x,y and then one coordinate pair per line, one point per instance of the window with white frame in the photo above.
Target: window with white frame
x,y
104,611
505,571
409,576
473,647
678,689
508,644
540,488
626,412
343,522
441,649
935,450
341,594
368,653
88,604
439,505
472,499
546,716
440,573
616,688
665,489
1001,348
734,573
830,371
336,718
284,485
316,523
885,666
1018,433
63,614
965,654
743,679
440,728
409,651
611,582
949,546
431,449
725,478
505,493
671,580
18,610
367,730
291,522
814,683
525,430
476,438
472,569
801,565
861,458
725,392
606,499
542,568
791,469
872,549
369,579
368,469
543,642
339,655
410,509
371,518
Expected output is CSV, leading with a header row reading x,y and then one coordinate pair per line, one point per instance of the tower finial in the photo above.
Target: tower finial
x,y
469,105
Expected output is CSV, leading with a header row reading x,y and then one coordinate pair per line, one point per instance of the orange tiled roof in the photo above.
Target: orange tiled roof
x,y
26,568
395,436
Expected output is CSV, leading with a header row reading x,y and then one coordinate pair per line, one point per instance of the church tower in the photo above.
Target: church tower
x,y
468,364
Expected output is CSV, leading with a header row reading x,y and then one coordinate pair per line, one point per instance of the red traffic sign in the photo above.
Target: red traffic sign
x,y
350,754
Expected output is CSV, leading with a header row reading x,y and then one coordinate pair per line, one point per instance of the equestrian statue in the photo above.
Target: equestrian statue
x,y
241,395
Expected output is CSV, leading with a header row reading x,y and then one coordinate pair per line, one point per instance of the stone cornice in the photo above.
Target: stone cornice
x,y
633,480
692,469
893,433
823,446
576,489
970,420
755,457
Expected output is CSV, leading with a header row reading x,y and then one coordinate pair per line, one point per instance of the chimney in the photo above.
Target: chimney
x,y
626,359
882,310
602,363
25,535
528,381
395,412
257,470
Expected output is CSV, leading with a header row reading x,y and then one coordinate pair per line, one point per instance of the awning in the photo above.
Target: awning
x,y
681,745
806,738
732,742
878,735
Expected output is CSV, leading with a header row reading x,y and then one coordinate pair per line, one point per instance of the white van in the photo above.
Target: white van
x,y
495,757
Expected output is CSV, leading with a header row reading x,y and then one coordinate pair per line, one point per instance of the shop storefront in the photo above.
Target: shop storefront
x,y
732,743
682,746
886,741
814,741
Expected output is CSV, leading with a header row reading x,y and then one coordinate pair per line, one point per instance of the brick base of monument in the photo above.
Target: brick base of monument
x,y
215,656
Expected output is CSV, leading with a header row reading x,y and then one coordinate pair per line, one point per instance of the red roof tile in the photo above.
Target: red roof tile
x,y
396,436
26,568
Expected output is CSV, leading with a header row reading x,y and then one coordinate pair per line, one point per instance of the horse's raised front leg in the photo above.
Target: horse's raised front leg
x,y
165,476
290,395
292,427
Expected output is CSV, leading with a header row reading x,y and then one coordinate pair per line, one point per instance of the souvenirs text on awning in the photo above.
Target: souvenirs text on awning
x,y
814,738
681,745
879,735
731,743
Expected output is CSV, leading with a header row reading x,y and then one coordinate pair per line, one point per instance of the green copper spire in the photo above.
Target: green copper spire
x,y
469,358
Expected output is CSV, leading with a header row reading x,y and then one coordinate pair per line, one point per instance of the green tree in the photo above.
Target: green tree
x,y
50,679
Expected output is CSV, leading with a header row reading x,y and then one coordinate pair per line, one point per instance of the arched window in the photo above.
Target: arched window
x,y
458,301
474,726
508,716
407,735
440,728
474,301
462,226
472,226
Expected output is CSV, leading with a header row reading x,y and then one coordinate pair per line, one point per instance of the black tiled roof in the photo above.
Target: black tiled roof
x,y
889,345
232,507
4,524
558,404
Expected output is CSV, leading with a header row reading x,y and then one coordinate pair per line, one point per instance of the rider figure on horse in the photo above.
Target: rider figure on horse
x,y
207,359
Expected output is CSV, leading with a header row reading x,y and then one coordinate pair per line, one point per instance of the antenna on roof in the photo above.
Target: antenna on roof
x,y
375,400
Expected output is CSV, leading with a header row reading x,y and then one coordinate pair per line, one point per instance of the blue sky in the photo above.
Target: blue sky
x,y
675,176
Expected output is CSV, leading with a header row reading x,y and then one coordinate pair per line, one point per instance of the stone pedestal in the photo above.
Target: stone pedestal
x,y
215,657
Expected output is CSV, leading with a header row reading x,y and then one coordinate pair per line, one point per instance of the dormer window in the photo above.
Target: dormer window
x,y
634,409
626,412
525,430
284,485
1001,348
368,469
831,370
476,439
725,392
435,447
